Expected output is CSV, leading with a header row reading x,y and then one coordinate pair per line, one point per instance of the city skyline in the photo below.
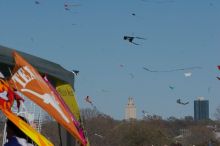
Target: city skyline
x,y
156,51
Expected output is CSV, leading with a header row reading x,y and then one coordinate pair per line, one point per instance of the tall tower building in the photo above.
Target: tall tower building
x,y
201,109
130,109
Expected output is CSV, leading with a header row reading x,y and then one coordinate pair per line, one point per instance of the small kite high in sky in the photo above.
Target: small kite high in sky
x,y
131,39
173,70
218,69
121,65
180,102
159,1
68,6
104,90
188,74
171,87
37,2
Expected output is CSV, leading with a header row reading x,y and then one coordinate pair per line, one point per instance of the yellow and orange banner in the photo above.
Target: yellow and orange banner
x,y
29,82
27,129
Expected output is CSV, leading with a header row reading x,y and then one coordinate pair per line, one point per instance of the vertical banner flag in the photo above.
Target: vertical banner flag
x,y
29,82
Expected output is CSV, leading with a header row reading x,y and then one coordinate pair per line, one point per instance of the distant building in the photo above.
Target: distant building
x,y
130,109
201,109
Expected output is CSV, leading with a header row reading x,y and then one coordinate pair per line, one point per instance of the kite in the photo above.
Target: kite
x,y
173,70
188,74
88,99
121,65
104,90
131,39
37,2
159,1
67,6
180,102
218,69
171,87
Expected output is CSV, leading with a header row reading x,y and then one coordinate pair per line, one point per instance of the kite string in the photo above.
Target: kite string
x,y
172,70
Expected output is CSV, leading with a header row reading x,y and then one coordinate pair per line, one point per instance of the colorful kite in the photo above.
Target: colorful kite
x,y
173,70
89,100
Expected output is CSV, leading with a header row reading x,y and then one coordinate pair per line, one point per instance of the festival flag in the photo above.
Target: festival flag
x,y
27,129
29,82
68,95
76,123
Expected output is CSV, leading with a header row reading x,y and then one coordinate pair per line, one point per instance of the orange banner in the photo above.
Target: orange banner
x,y
29,82
27,129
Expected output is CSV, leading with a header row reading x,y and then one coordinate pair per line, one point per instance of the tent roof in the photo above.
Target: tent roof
x,y
42,65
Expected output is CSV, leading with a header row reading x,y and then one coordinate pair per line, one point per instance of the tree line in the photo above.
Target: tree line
x,y
103,130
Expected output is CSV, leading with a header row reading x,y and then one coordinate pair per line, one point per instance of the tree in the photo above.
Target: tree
x,y
89,113
199,136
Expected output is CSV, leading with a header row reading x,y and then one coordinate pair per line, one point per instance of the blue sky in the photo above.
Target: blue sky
x,y
89,38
